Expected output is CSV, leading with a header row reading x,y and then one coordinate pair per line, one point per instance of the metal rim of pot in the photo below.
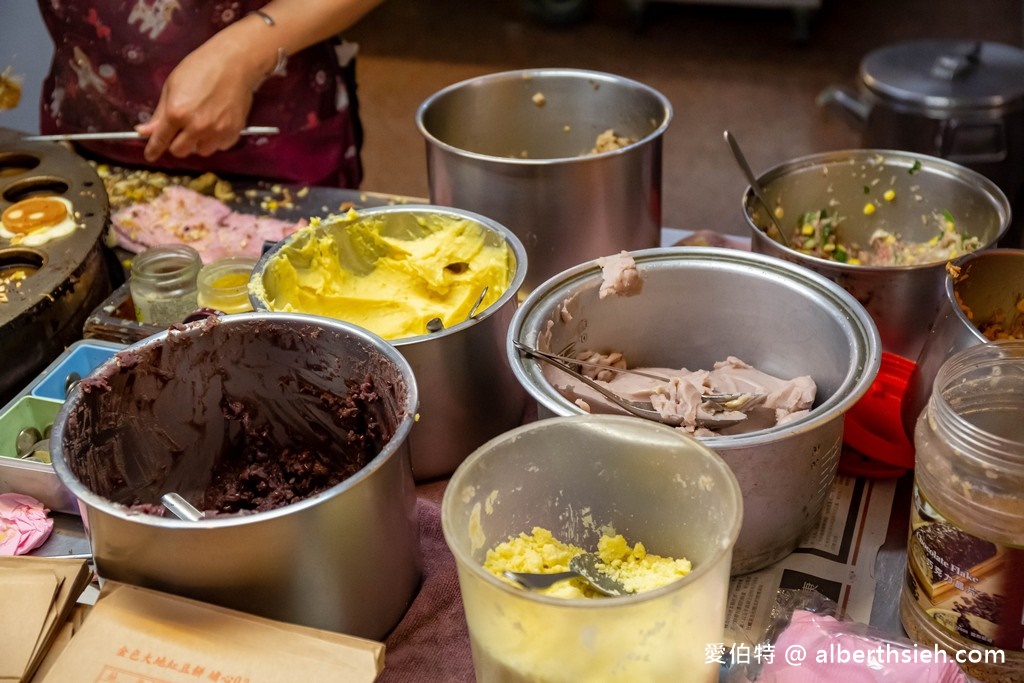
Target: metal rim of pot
x,y
527,74
859,377
902,159
513,242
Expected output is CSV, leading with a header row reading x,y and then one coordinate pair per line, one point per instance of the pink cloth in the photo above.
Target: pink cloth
x,y
24,524
850,656
431,643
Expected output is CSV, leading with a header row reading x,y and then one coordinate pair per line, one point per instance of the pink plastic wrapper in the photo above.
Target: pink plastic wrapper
x,y
24,524
809,645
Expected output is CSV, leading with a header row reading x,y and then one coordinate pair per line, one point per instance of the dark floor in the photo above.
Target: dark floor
x,y
721,67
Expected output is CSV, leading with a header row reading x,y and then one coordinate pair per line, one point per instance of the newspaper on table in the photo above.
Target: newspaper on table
x,y
836,559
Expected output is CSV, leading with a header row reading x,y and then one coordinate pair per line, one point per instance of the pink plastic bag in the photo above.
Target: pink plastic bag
x,y
24,524
807,644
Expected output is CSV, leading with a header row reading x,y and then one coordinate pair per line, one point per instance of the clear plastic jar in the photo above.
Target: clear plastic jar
x,y
163,283
964,588
224,284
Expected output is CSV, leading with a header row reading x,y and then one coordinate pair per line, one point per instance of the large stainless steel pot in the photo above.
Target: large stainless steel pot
x,y
902,300
699,305
469,394
161,415
516,147
959,100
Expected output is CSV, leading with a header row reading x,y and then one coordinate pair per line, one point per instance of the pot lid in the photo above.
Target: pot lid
x,y
948,74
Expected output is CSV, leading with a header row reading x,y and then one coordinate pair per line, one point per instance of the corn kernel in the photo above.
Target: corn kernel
x,y
828,248
778,212
869,209
853,261
807,229
889,195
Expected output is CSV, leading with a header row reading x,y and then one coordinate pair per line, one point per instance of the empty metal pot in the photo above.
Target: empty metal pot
x,y
517,147
903,300
990,281
699,305
160,417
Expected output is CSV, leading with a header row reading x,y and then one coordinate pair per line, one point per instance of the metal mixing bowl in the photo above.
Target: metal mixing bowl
x,y
989,281
902,300
468,393
699,305
155,419
515,146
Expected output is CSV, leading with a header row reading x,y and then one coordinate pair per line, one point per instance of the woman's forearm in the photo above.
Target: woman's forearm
x,y
291,25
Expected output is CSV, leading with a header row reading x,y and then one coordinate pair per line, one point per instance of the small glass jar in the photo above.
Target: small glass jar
x,y
163,283
224,284
964,588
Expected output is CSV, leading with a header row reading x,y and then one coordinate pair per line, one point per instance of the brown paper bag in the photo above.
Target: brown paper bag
x,y
139,634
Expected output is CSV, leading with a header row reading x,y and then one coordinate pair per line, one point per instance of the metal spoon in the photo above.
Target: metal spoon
x,y
737,154
181,508
435,324
476,305
584,566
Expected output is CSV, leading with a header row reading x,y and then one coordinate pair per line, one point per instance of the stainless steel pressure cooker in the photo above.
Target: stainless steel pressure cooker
x,y
959,100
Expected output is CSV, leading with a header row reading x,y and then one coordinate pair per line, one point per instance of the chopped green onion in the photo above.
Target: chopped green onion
x,y
867,190
948,216
915,167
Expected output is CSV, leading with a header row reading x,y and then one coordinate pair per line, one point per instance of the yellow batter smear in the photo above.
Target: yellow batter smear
x,y
541,553
388,276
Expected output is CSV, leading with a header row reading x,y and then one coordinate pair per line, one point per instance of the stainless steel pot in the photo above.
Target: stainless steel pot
x,y
903,300
959,100
468,393
160,415
699,305
515,146
990,281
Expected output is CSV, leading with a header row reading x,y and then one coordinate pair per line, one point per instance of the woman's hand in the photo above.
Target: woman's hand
x,y
205,101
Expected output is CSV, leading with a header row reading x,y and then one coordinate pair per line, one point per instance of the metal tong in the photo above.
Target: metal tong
x,y
644,409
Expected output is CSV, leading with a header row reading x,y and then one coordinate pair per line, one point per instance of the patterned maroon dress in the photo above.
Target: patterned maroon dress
x,y
111,58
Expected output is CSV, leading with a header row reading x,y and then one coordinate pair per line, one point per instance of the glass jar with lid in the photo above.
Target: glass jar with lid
x,y
964,588
163,283
224,284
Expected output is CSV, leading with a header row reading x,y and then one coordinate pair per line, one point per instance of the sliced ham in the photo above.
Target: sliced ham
x,y
183,216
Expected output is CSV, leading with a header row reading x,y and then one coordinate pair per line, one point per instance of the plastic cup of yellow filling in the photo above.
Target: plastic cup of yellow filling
x,y
582,478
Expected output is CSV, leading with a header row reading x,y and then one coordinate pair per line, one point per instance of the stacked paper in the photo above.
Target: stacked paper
x,y
37,595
